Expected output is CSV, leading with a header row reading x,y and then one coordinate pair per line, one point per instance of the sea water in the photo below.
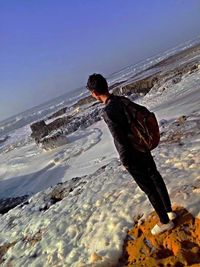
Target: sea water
x,y
17,127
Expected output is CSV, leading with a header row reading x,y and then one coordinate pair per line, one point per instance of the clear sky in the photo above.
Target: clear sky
x,y
49,47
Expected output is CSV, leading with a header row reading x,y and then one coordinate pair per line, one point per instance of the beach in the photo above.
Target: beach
x,y
79,207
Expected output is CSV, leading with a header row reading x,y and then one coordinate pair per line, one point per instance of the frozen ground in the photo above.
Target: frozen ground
x,y
88,225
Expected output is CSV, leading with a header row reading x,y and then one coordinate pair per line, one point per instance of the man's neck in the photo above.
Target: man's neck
x,y
105,97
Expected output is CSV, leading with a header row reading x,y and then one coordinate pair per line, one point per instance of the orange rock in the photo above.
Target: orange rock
x,y
95,257
178,247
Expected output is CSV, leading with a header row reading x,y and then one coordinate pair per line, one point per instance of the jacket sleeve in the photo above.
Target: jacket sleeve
x,y
116,127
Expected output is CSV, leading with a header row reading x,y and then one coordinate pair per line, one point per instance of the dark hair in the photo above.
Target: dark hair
x,y
98,83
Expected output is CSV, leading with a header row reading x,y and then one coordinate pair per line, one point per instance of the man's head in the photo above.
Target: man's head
x,y
98,86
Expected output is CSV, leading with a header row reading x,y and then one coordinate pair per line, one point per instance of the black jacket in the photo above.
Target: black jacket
x,y
117,121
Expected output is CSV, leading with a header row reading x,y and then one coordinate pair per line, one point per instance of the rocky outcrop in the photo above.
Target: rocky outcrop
x,y
9,203
86,100
179,247
58,113
56,194
137,87
39,130
58,123
54,134
143,86
4,249
53,140
174,58
2,140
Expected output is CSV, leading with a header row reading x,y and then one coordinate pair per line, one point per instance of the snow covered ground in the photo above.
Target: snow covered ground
x,y
87,227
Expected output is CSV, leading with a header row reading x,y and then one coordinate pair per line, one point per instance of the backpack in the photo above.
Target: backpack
x,y
144,127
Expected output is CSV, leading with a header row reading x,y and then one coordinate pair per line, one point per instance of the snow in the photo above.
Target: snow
x,y
88,226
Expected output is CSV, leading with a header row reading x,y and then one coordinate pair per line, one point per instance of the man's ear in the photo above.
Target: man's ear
x,y
95,93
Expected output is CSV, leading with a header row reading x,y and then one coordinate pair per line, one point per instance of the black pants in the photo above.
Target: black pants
x,y
144,171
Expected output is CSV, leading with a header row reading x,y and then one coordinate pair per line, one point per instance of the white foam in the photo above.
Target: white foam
x,y
88,227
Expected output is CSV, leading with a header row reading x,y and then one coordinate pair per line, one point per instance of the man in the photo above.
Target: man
x,y
139,164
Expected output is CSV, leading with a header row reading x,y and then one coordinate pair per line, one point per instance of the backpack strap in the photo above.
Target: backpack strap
x,y
125,103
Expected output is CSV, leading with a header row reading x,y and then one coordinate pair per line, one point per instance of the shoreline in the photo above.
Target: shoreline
x,y
82,202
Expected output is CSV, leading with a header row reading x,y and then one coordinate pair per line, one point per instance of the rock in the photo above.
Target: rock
x,y
158,79
58,123
39,130
141,86
116,85
2,140
194,68
176,79
95,257
4,249
181,120
53,140
10,203
163,122
86,100
58,113
53,134
174,58
177,247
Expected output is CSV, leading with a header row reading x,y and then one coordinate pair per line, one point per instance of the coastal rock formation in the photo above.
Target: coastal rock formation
x,y
39,130
86,100
58,113
137,87
9,203
158,77
3,139
58,123
43,132
189,52
165,71
179,247
53,140
142,86
51,135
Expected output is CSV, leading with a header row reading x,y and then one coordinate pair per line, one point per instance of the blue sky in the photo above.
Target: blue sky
x,y
49,47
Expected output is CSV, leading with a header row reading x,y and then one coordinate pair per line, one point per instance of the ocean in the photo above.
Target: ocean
x,y
39,112
80,199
